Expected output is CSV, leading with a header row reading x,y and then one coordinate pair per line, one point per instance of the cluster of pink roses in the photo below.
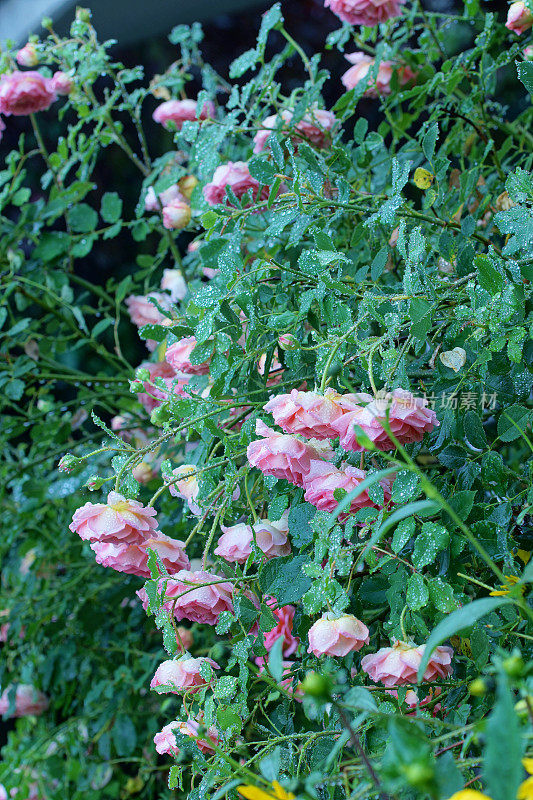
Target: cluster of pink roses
x,y
23,93
319,417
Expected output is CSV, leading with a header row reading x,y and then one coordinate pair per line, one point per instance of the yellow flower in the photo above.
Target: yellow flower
x,y
528,765
524,555
469,794
254,793
525,790
510,581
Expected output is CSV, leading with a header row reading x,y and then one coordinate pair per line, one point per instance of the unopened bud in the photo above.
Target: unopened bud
x,y
94,483
68,462
477,687
27,56
316,685
83,14
187,184
514,666
46,22
288,342
136,386
176,215
61,83
142,374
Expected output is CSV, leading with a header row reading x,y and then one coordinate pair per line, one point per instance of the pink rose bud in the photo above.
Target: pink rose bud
x,y
174,282
323,479
528,52
310,414
143,472
27,56
180,111
23,93
381,84
184,638
133,559
519,17
142,312
197,596
62,84
365,12
166,197
283,629
337,636
273,537
165,740
315,127
409,418
288,342
68,463
178,355
27,700
235,544
187,487
119,521
176,215
187,184
181,675
398,665
236,175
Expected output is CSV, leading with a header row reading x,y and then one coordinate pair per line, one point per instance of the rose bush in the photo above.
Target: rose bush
x,y
298,425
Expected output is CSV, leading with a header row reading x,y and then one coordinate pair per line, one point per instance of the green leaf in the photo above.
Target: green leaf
x,y
417,592
124,735
489,277
525,74
512,423
111,208
441,595
460,619
300,531
82,218
275,659
284,579
502,768
431,540
474,431
404,531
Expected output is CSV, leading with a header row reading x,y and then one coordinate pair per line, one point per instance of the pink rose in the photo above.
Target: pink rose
x,y
281,455
27,55
61,83
365,12
184,638
153,396
28,700
133,559
165,740
176,215
174,282
308,413
142,312
315,127
324,478
178,355
196,596
283,628
273,537
398,665
409,419
181,675
235,544
23,93
381,85
519,17
187,487
166,197
236,175
119,521
180,111
3,793
337,636
528,52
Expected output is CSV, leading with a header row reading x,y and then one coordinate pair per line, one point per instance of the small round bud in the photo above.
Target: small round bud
x,y
514,666
136,386
187,184
46,22
477,687
288,342
522,708
94,483
61,83
142,374
83,14
176,215
27,56
68,462
316,685
159,416
418,774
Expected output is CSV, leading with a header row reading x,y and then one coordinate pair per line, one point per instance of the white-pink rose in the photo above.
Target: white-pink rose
x,y
365,12
181,675
381,84
119,521
337,636
23,93
27,700
180,111
235,175
398,665
519,17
